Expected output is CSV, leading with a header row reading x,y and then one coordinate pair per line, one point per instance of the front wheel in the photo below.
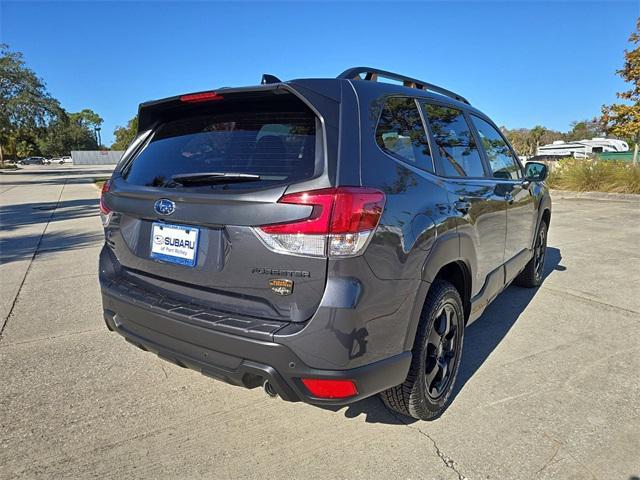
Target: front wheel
x,y
436,357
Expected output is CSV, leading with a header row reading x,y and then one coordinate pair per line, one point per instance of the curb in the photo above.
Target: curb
x,y
615,197
9,171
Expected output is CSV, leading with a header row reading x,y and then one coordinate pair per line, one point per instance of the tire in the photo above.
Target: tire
x,y
422,395
533,273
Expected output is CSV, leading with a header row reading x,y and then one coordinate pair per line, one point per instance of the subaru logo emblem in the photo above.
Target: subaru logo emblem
x,y
164,206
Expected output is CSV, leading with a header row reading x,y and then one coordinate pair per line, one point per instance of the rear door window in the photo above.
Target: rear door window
x,y
275,142
458,151
501,160
400,133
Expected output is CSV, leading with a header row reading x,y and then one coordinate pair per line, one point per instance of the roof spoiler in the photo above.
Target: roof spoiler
x,y
150,112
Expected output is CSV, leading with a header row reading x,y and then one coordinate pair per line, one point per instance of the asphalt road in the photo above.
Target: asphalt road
x,y
549,386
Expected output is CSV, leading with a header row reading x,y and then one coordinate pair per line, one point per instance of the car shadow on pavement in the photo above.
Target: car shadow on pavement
x,y
484,335
481,338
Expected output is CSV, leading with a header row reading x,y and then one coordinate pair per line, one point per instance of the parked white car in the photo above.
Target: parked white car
x,y
63,160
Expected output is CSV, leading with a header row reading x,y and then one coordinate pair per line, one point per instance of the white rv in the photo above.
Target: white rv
x,y
582,148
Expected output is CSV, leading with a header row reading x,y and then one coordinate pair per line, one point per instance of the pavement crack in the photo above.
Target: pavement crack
x,y
446,459
52,337
566,450
33,256
553,457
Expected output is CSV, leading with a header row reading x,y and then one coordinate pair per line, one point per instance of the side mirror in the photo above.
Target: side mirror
x,y
535,172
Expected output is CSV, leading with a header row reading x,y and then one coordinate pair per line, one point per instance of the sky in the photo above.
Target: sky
x,y
522,63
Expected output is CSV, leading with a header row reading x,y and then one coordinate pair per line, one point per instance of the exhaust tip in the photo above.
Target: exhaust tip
x,y
269,389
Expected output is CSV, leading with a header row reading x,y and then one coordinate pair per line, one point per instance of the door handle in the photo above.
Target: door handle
x,y
462,206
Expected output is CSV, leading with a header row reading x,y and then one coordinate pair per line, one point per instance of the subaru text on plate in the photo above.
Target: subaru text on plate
x,y
327,239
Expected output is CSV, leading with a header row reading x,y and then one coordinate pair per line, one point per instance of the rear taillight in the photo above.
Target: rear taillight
x,y
103,207
105,212
340,224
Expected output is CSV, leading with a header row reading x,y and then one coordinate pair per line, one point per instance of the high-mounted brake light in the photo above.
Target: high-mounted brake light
x,y
340,224
200,97
103,207
327,388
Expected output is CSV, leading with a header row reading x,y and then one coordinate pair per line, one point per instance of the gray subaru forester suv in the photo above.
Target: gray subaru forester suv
x,y
326,239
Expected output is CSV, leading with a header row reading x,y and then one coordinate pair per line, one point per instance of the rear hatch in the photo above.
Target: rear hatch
x,y
185,204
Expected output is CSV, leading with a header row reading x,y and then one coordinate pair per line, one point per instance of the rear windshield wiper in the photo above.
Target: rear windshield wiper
x,y
212,178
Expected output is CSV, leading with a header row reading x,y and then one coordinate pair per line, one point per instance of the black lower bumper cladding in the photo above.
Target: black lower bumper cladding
x,y
240,360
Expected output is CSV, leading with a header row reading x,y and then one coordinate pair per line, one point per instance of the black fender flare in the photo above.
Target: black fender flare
x,y
544,204
447,249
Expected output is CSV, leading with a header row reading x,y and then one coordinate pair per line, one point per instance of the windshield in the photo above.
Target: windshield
x,y
276,144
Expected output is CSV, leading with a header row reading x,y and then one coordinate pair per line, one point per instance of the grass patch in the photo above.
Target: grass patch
x,y
9,166
595,176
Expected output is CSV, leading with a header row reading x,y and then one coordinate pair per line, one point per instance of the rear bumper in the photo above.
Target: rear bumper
x,y
240,360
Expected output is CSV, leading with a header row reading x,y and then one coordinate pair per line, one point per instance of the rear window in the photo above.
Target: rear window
x,y
276,143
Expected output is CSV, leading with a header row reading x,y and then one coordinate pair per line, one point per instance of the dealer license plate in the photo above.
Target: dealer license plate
x,y
175,244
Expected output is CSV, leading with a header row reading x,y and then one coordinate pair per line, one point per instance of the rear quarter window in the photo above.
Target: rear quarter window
x,y
400,132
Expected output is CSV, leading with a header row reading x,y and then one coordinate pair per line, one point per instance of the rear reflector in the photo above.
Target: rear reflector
x,y
341,221
200,97
326,388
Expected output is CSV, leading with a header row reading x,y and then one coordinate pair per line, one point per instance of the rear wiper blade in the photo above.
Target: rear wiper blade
x,y
210,178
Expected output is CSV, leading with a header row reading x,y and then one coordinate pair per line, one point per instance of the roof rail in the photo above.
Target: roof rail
x,y
372,74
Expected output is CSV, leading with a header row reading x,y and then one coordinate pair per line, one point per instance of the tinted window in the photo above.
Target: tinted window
x,y
400,132
458,151
276,143
501,161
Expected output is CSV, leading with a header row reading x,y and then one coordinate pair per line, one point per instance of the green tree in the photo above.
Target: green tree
x,y
623,119
83,129
526,141
536,134
25,105
125,135
70,131
584,129
517,138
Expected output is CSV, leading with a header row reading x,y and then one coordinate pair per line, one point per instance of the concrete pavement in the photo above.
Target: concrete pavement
x,y
549,387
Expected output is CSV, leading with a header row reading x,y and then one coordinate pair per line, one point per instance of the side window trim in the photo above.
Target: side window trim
x,y
435,153
427,132
484,154
476,138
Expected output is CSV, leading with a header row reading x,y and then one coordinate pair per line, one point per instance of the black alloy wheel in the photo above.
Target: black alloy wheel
x,y
436,356
539,253
442,346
